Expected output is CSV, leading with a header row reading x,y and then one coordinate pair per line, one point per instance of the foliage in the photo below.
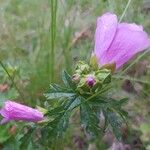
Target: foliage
x,y
90,107
25,45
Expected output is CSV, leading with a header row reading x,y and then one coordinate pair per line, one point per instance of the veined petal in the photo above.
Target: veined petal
x,y
129,40
105,32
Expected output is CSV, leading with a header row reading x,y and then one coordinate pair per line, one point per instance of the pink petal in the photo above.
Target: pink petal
x,y
131,26
4,120
105,32
129,40
15,111
90,80
4,113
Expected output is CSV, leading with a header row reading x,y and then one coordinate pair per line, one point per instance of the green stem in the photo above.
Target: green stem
x,y
132,79
135,61
51,58
11,79
125,10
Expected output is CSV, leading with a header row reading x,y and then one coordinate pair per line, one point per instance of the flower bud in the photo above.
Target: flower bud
x,y
90,80
15,111
82,68
76,78
104,76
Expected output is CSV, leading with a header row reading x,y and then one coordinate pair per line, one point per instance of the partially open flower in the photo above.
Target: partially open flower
x,y
90,80
116,43
14,111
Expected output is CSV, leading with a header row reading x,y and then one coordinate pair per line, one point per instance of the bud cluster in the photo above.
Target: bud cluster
x,y
89,78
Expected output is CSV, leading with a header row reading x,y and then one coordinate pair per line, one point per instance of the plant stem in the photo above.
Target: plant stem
x,y
132,79
53,5
11,79
135,61
125,10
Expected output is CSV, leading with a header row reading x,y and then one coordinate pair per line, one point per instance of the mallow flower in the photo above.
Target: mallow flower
x,y
116,43
15,111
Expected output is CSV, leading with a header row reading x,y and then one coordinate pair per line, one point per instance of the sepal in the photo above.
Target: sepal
x,y
94,62
111,67
104,76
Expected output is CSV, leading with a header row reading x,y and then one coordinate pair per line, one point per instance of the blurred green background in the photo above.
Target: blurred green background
x,y
40,38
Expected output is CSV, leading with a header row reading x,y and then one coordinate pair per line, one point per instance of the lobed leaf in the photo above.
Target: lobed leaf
x,y
58,95
68,80
89,119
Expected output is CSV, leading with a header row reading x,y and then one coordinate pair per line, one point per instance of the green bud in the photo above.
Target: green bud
x,y
82,82
87,83
82,68
104,76
76,77
82,86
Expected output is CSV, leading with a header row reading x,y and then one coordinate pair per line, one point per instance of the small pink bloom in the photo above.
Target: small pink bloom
x,y
17,112
118,42
90,80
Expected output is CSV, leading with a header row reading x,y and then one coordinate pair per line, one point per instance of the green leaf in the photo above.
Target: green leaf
x,y
57,91
62,113
117,103
55,111
89,119
12,144
27,138
123,101
58,95
115,121
58,126
98,101
117,106
63,123
123,113
4,134
68,80
76,102
56,87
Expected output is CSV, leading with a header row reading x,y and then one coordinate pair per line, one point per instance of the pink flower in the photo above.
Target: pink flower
x,y
90,80
15,111
118,42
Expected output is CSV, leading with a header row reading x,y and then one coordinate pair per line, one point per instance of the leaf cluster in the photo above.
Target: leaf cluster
x,y
92,108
